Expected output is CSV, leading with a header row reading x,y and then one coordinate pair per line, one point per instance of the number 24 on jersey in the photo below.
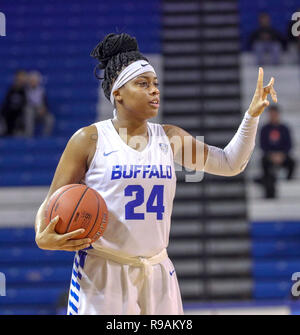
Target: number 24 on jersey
x,y
157,194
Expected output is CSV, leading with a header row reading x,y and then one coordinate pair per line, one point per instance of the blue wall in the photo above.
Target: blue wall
x,y
275,257
280,11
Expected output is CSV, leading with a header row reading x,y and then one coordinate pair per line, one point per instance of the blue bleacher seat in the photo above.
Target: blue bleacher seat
x,y
16,235
10,145
275,268
275,248
275,229
31,296
15,310
37,274
33,255
28,162
27,179
276,256
34,278
272,289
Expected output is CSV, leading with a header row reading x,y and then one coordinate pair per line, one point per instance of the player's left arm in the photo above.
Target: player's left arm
x,y
194,154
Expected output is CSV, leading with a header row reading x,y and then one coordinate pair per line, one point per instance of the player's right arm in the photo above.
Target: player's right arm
x,y
71,168
233,159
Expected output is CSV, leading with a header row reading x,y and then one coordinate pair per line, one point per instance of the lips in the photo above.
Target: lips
x,y
154,102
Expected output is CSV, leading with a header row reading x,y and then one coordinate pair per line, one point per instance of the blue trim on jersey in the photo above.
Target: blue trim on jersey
x,y
75,273
76,263
82,256
88,248
79,261
73,294
73,306
75,284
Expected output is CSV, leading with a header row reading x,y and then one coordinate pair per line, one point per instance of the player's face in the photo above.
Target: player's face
x,y
140,96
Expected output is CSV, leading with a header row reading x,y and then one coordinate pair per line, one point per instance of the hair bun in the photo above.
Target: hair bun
x,y
112,45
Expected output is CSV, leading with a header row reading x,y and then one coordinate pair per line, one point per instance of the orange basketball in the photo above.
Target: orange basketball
x,y
78,206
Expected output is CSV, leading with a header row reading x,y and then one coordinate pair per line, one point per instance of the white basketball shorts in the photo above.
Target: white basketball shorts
x,y
103,287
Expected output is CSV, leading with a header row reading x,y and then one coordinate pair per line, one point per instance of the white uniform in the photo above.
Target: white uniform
x,y
138,188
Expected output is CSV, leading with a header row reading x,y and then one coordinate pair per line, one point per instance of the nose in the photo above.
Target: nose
x,y
154,90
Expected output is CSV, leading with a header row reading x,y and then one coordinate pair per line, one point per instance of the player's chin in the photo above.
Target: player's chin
x,y
152,111
146,112
151,114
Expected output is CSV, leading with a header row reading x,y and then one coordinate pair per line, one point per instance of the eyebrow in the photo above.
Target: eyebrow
x,y
146,77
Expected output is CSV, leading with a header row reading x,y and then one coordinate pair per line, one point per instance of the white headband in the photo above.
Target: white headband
x,y
131,71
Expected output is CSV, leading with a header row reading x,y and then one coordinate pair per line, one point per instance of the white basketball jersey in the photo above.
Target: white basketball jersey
x,y
138,188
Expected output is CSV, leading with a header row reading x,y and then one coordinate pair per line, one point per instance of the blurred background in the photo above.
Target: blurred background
x,y
235,242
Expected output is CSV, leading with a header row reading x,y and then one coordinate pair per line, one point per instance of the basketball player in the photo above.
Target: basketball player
x,y
127,271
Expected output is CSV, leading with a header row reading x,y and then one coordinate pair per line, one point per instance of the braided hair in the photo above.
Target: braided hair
x,y
114,53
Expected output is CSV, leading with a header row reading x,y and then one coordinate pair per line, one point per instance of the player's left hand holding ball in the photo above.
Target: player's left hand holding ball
x,y
259,101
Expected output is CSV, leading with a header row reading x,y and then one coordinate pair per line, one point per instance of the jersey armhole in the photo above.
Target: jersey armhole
x,y
167,138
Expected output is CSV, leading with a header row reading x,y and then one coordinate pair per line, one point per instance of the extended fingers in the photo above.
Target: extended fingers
x,y
73,234
74,245
273,94
271,83
269,89
260,80
69,243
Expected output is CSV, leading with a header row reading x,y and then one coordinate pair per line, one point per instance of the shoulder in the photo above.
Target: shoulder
x,y
84,140
172,131
85,135
83,143
166,127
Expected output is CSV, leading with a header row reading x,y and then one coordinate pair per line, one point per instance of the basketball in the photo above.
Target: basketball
x,y
78,206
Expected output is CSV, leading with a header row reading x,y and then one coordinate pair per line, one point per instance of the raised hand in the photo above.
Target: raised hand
x,y
260,99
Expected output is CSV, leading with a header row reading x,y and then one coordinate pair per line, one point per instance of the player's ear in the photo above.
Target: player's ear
x,y
117,96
